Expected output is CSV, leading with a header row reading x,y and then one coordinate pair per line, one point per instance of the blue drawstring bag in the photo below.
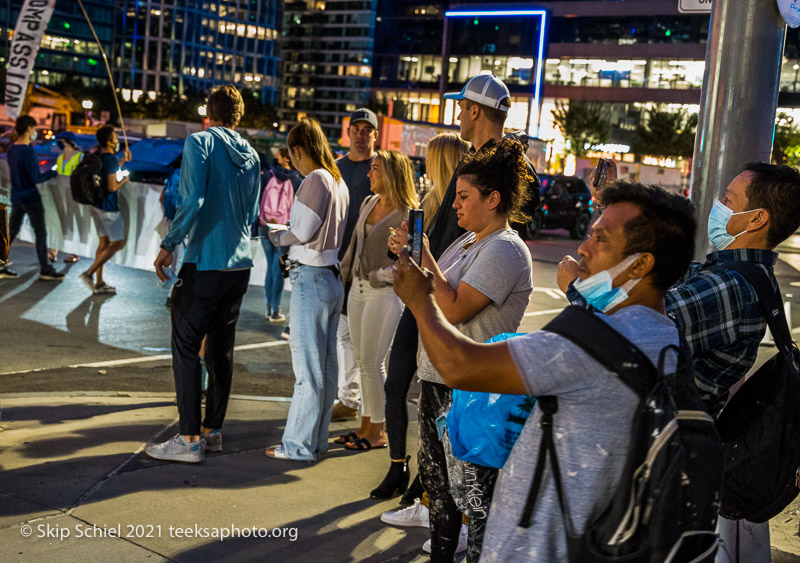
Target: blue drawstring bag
x,y
484,426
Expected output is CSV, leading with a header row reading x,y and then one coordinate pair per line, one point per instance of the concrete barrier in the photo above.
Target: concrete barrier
x,y
70,227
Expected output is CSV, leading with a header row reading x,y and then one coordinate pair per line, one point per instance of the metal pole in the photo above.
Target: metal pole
x,y
445,69
738,100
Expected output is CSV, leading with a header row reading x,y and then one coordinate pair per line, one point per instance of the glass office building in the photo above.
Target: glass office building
x,y
178,44
327,60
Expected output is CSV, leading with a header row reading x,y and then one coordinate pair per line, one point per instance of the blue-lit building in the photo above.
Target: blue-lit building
x,y
628,54
166,45
68,47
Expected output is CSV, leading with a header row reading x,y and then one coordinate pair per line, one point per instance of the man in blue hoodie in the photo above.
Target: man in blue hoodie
x,y
218,202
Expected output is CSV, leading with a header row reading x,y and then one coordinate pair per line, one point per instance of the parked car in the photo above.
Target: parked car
x,y
154,160
566,202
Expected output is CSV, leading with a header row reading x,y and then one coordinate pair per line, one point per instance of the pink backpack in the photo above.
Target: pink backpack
x,y
276,201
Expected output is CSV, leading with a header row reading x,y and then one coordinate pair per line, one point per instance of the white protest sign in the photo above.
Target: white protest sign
x,y
32,21
790,10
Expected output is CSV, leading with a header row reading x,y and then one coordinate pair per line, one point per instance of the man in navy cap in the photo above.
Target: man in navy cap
x,y
363,133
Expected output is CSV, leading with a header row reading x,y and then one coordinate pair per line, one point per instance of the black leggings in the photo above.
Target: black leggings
x,y
479,481
402,366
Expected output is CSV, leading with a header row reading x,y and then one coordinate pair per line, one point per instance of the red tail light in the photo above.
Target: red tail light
x,y
42,162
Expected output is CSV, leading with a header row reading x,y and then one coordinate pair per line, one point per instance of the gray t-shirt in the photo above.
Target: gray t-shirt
x,y
591,432
499,266
355,176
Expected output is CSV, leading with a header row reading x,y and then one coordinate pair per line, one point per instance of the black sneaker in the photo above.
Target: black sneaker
x,y
5,273
285,333
51,274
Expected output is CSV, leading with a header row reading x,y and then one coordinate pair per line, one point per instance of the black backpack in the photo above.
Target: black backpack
x,y
760,425
86,182
665,506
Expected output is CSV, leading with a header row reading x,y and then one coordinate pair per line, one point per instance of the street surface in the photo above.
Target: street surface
x,y
85,381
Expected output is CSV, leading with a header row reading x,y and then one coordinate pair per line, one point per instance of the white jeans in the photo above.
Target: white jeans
x,y
348,386
373,315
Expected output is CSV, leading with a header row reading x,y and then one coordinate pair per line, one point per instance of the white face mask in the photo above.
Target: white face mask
x,y
599,290
116,147
34,135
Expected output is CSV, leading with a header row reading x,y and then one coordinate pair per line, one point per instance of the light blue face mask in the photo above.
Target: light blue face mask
x,y
33,137
718,225
599,290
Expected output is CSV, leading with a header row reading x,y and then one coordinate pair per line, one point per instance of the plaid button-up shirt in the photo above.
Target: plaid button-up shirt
x,y
718,312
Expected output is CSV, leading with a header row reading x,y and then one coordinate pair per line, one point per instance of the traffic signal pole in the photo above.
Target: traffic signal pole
x,y
738,100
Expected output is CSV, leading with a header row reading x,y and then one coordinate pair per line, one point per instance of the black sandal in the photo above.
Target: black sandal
x,y
349,437
362,445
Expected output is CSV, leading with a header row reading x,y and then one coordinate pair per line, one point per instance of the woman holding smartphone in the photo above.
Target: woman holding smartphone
x,y
373,308
482,283
443,154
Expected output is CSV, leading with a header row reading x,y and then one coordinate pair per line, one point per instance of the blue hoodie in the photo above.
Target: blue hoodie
x,y
219,191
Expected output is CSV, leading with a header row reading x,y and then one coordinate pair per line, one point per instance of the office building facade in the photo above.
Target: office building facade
x,y
327,60
179,44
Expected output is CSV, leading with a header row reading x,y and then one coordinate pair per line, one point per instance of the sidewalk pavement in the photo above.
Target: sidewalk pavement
x,y
74,475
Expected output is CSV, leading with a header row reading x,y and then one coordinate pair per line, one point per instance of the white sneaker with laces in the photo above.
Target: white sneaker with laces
x,y
176,449
462,541
415,516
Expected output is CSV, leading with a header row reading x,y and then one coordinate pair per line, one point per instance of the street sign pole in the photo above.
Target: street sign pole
x,y
738,100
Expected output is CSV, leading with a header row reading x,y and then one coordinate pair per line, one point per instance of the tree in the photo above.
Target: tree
x,y
583,124
257,114
786,144
661,132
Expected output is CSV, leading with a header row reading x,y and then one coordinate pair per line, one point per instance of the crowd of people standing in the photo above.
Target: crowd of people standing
x,y
365,319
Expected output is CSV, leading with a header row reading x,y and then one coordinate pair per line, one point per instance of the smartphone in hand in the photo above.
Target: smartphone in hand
x,y
415,232
600,173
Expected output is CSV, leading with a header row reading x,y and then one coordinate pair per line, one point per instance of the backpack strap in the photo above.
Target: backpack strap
x,y
618,355
612,350
549,406
770,301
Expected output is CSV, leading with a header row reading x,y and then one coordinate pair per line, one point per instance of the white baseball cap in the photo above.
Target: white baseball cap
x,y
484,89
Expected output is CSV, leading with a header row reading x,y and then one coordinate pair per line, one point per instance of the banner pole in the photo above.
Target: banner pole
x,y
108,69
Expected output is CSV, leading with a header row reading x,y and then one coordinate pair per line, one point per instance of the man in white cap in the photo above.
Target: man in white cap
x,y
363,133
483,105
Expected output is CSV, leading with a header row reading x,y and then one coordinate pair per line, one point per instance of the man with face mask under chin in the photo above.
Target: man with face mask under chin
x,y
716,309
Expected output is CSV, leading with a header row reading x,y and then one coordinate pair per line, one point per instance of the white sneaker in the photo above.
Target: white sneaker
x,y
462,541
87,281
414,516
175,449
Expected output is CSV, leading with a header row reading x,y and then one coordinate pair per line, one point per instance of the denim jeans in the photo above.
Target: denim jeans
x,y
273,283
35,213
316,304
